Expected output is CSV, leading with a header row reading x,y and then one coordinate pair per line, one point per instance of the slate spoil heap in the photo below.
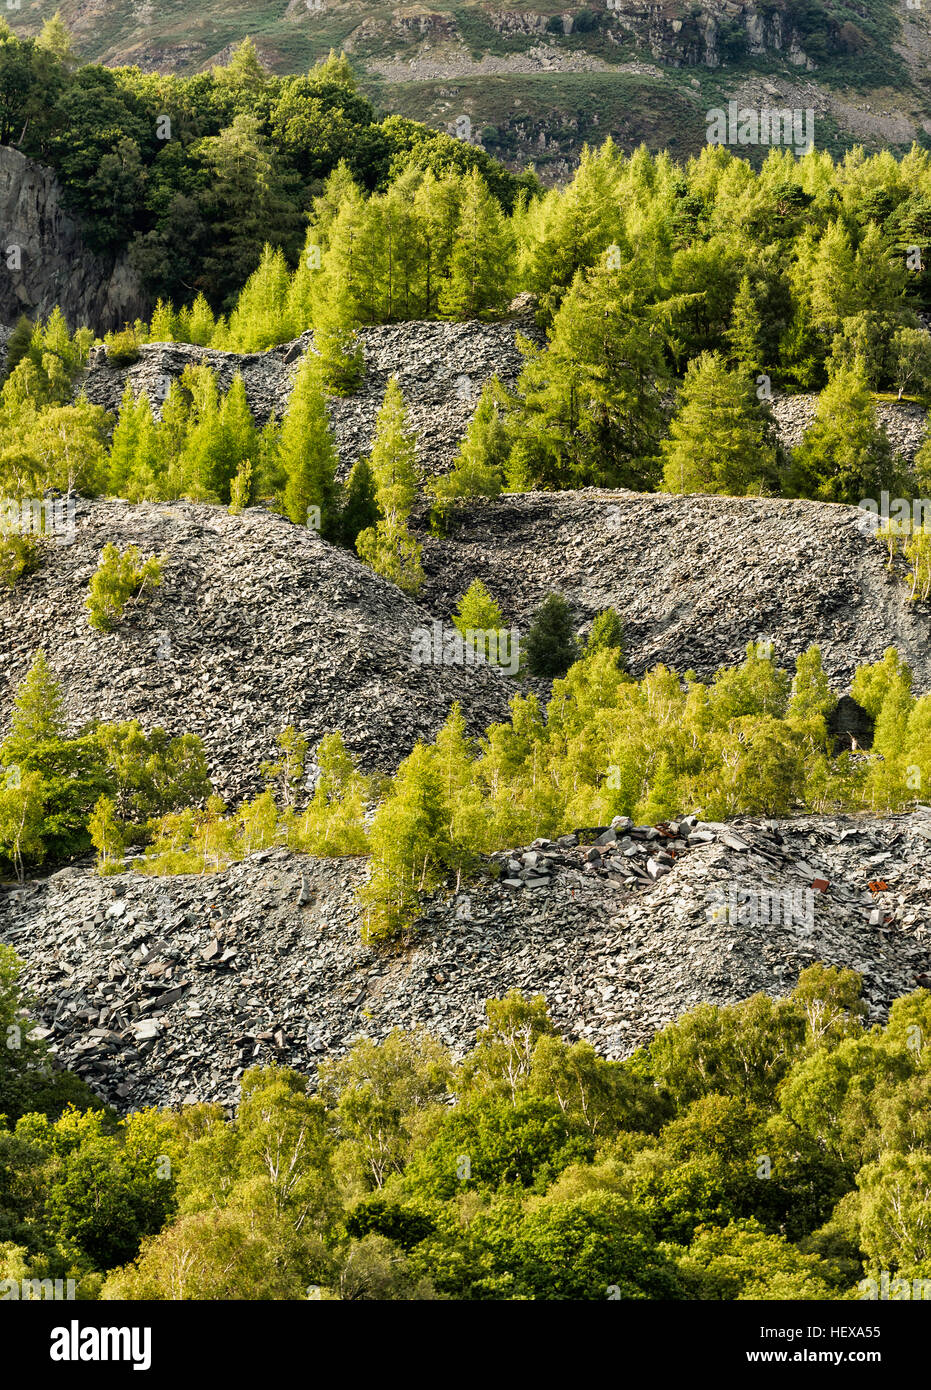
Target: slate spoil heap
x,y
257,624
441,369
695,578
160,991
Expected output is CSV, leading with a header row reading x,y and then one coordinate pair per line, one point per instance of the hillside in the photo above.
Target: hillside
x,y
695,580
163,992
440,367
258,624
537,83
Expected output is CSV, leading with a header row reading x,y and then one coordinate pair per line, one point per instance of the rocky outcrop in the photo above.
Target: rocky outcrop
x,y
51,263
711,34
695,578
511,23
163,991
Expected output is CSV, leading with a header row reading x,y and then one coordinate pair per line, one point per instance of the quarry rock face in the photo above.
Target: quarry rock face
x,y
161,991
55,265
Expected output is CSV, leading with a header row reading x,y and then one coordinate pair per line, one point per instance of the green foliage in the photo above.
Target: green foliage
x,y
479,465
719,439
307,456
845,456
59,794
771,1150
550,646
389,547
120,579
123,347
19,555
359,511
477,611
18,344
607,634
106,836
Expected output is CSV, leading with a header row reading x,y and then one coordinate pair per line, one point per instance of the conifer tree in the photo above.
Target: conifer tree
x,y
478,612
745,335
18,344
391,551
197,324
394,457
607,634
240,438
550,646
718,438
360,507
333,822
832,291
342,361
123,444
202,464
161,328
592,400
268,474
306,454
145,477
241,488
410,846
845,455
437,204
55,38
38,714
483,454
171,432
454,754
260,318
479,282
389,548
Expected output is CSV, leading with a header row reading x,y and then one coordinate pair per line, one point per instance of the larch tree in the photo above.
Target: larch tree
x,y
718,438
306,453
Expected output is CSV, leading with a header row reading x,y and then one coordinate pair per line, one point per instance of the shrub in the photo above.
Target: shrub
x,y
119,580
122,347
19,555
